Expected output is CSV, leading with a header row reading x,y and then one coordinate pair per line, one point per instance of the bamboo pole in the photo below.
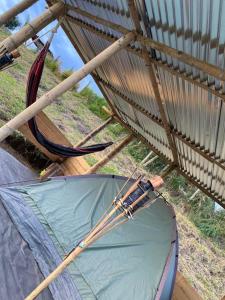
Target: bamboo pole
x,y
64,86
29,30
94,132
15,10
153,81
150,161
167,170
146,158
102,162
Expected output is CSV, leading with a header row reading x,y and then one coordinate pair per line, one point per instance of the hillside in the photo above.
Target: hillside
x,y
201,260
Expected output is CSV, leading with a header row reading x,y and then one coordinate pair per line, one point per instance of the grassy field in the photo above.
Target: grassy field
x,y
201,261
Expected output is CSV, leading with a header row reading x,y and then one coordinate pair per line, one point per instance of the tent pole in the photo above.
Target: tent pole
x,y
64,86
94,132
29,30
116,150
15,10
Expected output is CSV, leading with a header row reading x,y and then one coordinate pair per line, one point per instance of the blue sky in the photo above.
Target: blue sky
x,y
67,54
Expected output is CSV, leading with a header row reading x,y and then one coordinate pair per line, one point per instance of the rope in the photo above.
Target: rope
x,y
53,30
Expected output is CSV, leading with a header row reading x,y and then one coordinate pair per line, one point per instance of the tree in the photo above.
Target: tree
x,y
13,23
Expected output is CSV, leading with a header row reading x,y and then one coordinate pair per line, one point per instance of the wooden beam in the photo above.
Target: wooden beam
x,y
97,19
128,100
106,36
64,86
154,84
186,58
94,132
111,154
15,10
158,63
189,177
29,30
200,150
183,290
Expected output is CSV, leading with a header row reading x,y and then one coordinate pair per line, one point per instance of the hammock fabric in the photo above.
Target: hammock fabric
x,y
31,95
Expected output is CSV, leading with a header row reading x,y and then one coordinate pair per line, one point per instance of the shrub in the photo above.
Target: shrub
x,y
138,151
53,65
116,129
13,23
95,102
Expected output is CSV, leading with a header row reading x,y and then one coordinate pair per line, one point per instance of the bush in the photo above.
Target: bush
x,y
177,181
13,23
138,151
95,102
116,129
53,65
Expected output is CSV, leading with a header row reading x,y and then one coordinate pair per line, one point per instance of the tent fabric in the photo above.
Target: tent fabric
x,y
43,250
12,170
19,271
127,263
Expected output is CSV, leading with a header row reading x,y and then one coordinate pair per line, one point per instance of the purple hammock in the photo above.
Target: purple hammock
x,y
33,82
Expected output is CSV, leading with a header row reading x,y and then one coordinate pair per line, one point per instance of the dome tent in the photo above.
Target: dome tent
x,y
136,260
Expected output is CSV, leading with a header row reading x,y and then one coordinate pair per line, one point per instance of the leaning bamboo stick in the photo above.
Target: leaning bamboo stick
x,y
104,226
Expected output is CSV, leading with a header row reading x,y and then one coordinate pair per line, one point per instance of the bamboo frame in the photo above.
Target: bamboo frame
x,y
202,151
152,76
15,10
94,132
105,224
188,176
111,154
155,62
29,30
64,86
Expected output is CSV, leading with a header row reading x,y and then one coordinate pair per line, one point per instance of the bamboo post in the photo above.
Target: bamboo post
x,y
117,149
94,132
194,194
64,86
167,170
29,30
150,161
15,10
153,80
146,158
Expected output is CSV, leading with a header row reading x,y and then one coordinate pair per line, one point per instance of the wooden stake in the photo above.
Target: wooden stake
x,y
64,86
116,150
94,132
29,30
15,10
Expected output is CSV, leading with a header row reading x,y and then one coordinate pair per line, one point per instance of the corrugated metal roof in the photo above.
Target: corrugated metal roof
x,y
192,99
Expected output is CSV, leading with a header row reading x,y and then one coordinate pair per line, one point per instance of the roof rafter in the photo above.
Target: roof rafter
x,y
152,77
159,63
184,76
187,175
200,150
